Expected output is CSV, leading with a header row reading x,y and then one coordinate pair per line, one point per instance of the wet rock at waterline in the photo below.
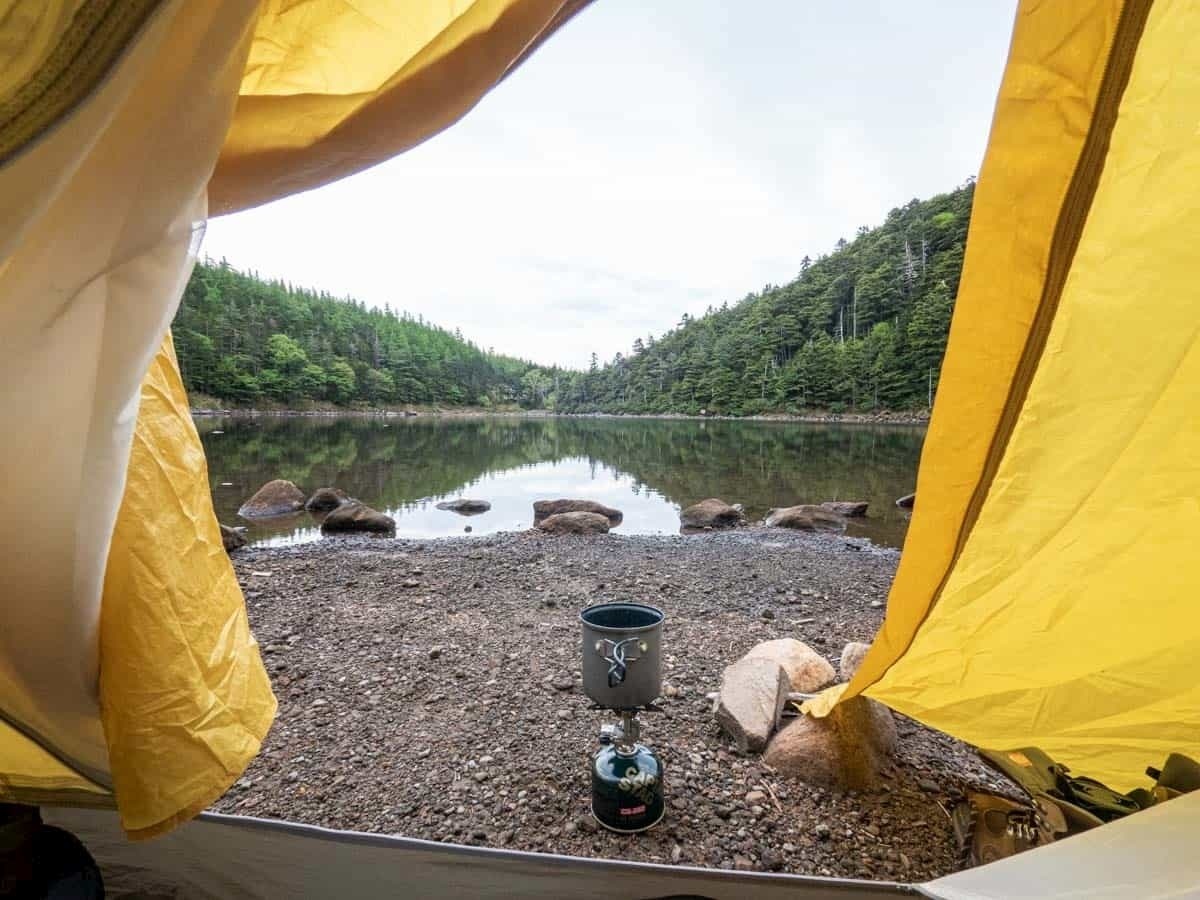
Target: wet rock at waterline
x,y
543,509
575,523
465,507
275,498
849,508
232,539
355,516
326,498
804,517
907,501
753,694
807,670
712,513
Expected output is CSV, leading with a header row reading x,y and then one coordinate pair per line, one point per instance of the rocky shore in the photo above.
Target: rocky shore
x,y
432,689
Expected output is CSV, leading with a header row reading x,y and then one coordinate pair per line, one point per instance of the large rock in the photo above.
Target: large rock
x,y
355,516
575,523
847,749
804,517
275,498
807,670
465,507
543,509
852,656
232,539
850,508
753,694
326,498
907,501
712,513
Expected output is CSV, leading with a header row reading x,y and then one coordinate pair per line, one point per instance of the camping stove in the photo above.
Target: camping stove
x,y
622,671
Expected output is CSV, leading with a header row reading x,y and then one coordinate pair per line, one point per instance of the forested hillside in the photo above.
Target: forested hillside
x,y
862,328
244,340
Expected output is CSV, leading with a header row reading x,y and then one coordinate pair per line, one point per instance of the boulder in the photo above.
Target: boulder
x,y
712,513
575,523
753,694
907,501
849,508
465,507
275,498
807,670
232,538
326,498
804,517
852,656
355,516
543,509
847,749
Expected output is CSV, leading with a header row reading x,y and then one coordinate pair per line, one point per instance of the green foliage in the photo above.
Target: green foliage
x,y
244,340
862,328
859,329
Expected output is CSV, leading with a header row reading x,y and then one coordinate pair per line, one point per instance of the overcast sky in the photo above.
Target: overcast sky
x,y
652,158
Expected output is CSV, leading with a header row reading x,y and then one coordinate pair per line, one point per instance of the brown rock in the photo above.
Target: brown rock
x,y
275,498
850,508
232,538
807,670
712,513
326,498
804,517
355,516
575,523
753,694
847,749
852,656
543,509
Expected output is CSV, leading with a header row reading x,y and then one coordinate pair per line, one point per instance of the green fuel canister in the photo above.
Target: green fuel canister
x,y
627,787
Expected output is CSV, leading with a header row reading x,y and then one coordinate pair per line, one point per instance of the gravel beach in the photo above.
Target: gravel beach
x,y
431,689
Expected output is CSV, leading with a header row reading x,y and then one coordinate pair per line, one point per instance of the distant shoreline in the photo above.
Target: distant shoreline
x,y
886,418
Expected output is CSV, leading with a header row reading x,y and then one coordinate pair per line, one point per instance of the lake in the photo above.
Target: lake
x,y
647,468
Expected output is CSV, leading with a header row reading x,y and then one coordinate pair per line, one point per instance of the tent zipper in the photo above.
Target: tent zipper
x,y
1072,217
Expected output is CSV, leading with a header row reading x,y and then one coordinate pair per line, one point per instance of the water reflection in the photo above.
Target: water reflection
x,y
646,468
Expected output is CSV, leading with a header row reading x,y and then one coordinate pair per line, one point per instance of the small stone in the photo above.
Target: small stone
x,y
563,682
742,863
876,604
564,714
435,652
676,853
679,803
768,614
670,691
755,796
928,786
821,830
586,824
771,860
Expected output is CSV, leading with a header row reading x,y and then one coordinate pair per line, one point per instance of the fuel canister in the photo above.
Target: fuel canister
x,y
627,788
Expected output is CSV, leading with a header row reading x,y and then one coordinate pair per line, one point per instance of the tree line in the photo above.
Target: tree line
x,y
861,328
244,340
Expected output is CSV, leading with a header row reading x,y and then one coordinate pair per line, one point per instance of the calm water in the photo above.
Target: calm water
x,y
648,469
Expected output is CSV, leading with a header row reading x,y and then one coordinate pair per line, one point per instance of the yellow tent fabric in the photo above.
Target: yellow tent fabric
x,y
1067,617
127,669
